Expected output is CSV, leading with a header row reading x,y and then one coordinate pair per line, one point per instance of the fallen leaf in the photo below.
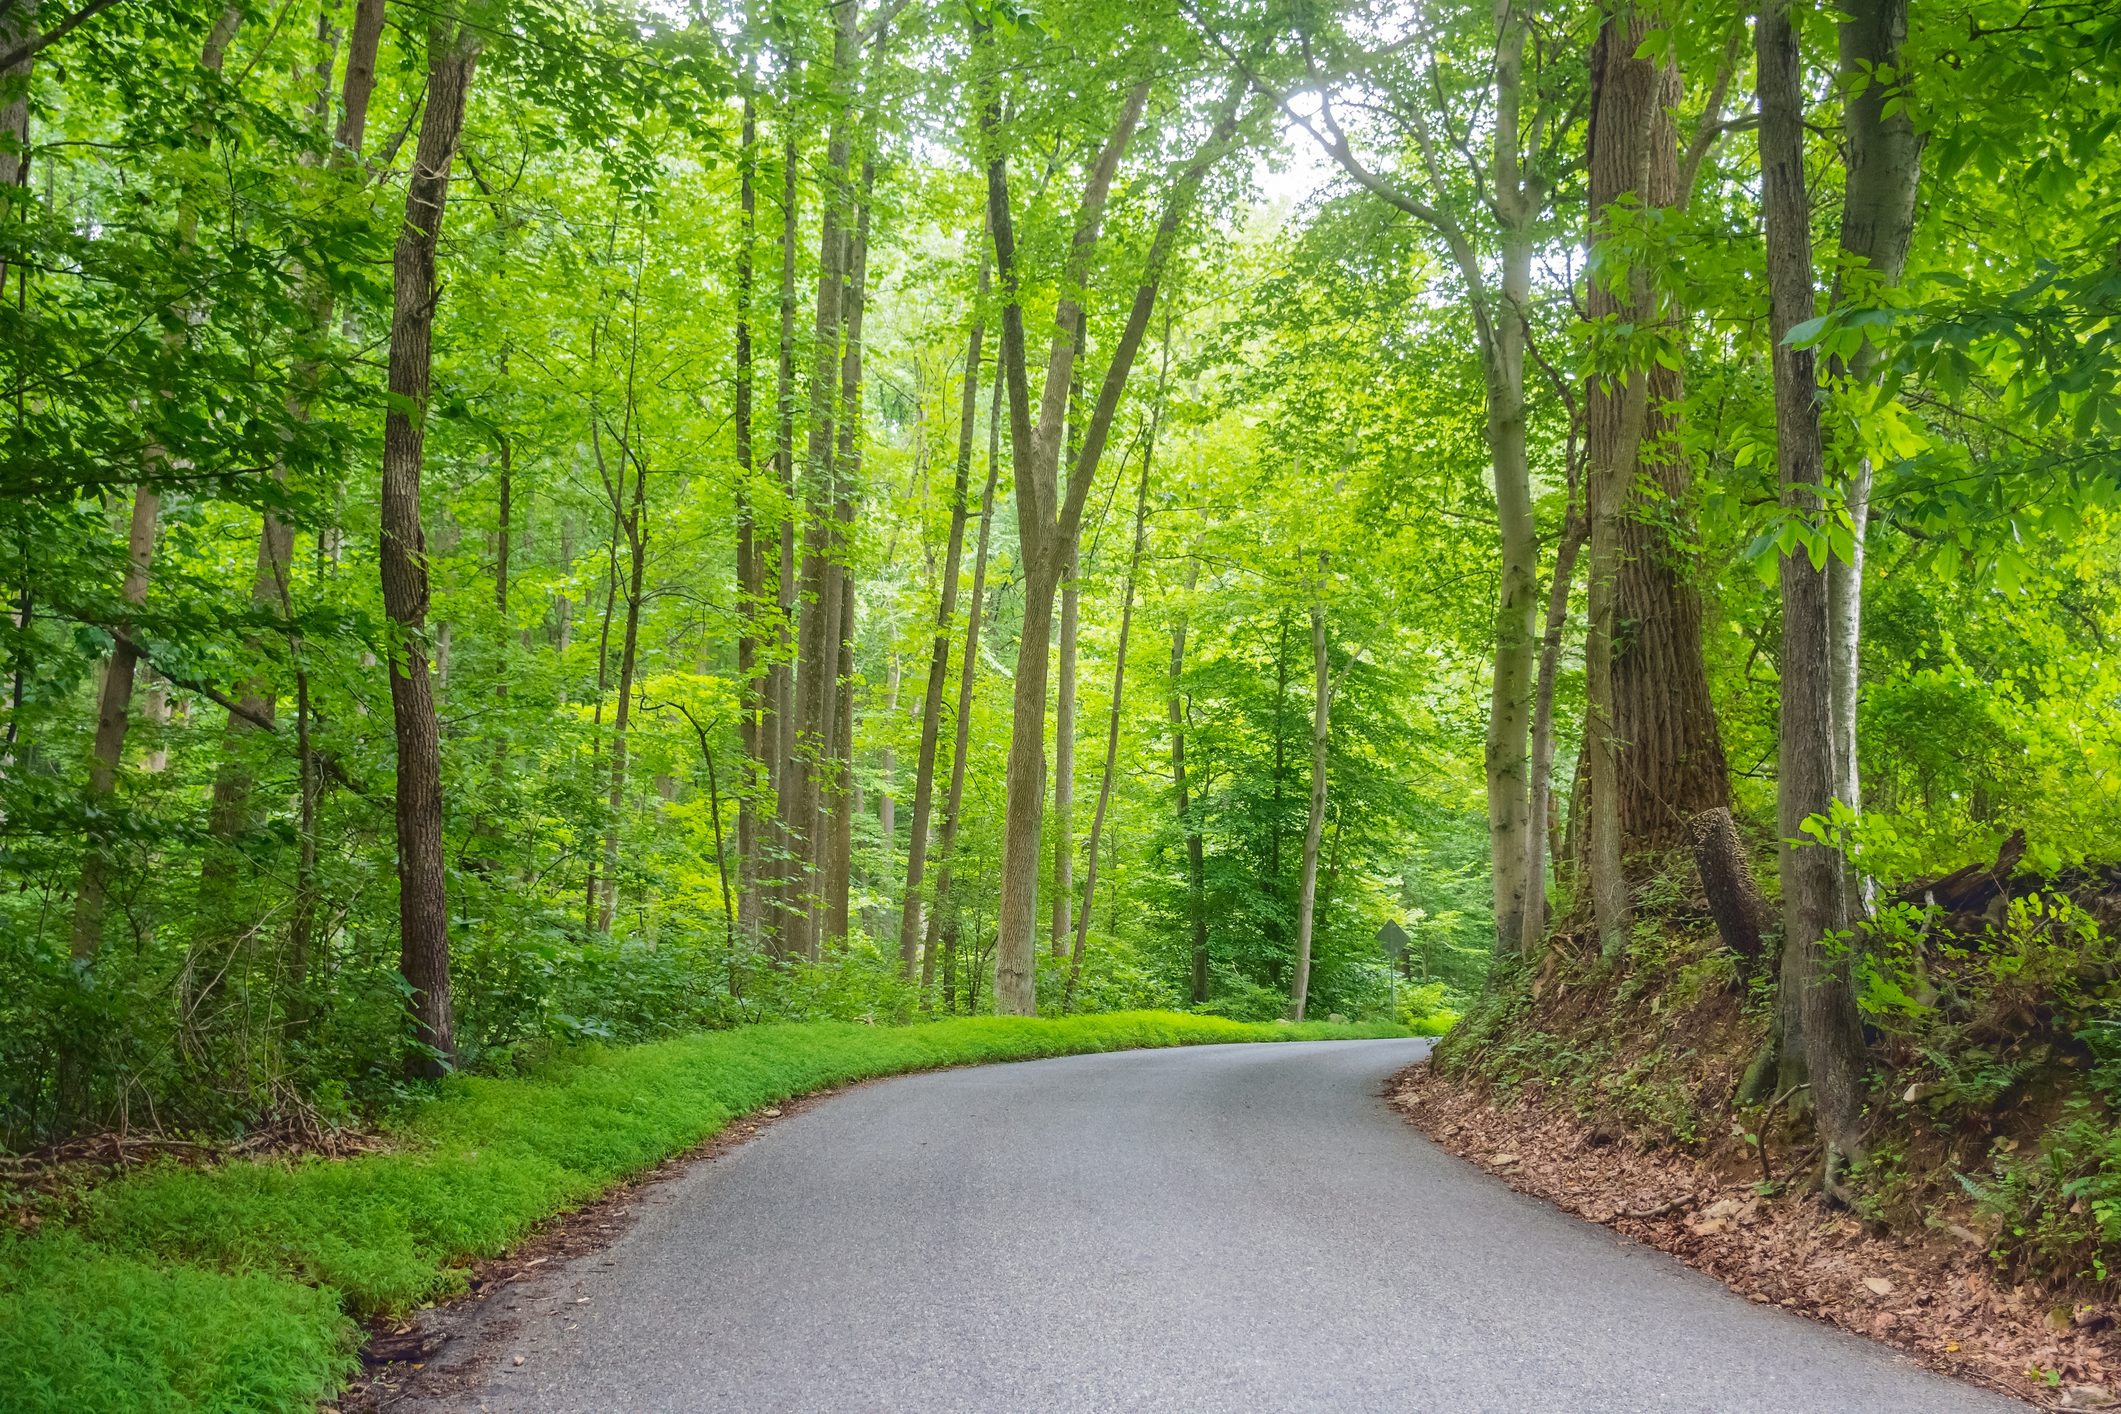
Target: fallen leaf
x,y
1878,1286
1503,1160
771,1114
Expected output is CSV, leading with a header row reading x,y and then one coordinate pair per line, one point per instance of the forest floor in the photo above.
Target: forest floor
x,y
1933,1296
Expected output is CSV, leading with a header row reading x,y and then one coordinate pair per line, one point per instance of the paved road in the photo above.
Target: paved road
x,y
1217,1228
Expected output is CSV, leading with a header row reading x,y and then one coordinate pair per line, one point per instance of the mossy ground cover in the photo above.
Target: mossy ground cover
x,y
231,1288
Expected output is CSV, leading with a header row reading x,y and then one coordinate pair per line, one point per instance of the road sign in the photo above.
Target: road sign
x,y
1394,940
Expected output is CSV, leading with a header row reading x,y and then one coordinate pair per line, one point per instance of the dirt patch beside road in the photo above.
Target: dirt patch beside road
x,y
1933,1298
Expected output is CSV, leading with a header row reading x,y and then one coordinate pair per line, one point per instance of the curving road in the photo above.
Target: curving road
x,y
1215,1228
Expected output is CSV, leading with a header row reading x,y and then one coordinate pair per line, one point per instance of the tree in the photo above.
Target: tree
x,y
453,46
1822,1037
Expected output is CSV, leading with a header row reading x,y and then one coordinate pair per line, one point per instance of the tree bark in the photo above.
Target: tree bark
x,y
1627,121
909,932
1877,225
1064,755
1669,753
1574,531
1047,522
779,727
637,557
1321,714
1727,882
113,717
16,27
1196,863
591,892
847,471
1119,684
1500,335
423,909
753,713
943,920
1822,1033
1503,335
1045,527
817,637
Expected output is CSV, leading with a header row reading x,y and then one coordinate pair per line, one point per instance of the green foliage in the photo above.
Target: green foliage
x,y
84,1331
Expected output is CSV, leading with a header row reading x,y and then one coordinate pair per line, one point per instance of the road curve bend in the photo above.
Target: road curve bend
x,y
1238,1228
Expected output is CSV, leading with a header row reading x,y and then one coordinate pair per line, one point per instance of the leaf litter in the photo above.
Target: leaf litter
x,y
1935,1298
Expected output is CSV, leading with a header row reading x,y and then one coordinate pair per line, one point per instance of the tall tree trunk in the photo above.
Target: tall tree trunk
x,y
944,919
637,554
817,638
779,731
1321,725
847,474
1504,335
1574,531
1047,520
1669,762
423,908
1045,528
1822,1034
1500,333
909,931
1064,754
753,714
1877,225
1104,787
1196,863
887,798
1627,119
591,892
113,716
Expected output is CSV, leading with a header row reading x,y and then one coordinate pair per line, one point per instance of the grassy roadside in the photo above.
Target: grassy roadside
x,y
229,1289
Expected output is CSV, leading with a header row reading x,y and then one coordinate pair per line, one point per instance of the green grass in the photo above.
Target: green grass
x,y
229,1289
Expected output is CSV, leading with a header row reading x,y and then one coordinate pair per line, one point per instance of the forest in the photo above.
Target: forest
x,y
528,523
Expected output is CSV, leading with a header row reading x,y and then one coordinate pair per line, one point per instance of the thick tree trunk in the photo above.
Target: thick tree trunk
x,y
1628,120
1822,1033
113,717
1119,684
909,931
1670,763
1728,885
1196,863
423,909
1877,225
1321,713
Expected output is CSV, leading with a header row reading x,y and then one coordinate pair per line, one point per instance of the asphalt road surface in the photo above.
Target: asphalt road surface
x,y
1214,1228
